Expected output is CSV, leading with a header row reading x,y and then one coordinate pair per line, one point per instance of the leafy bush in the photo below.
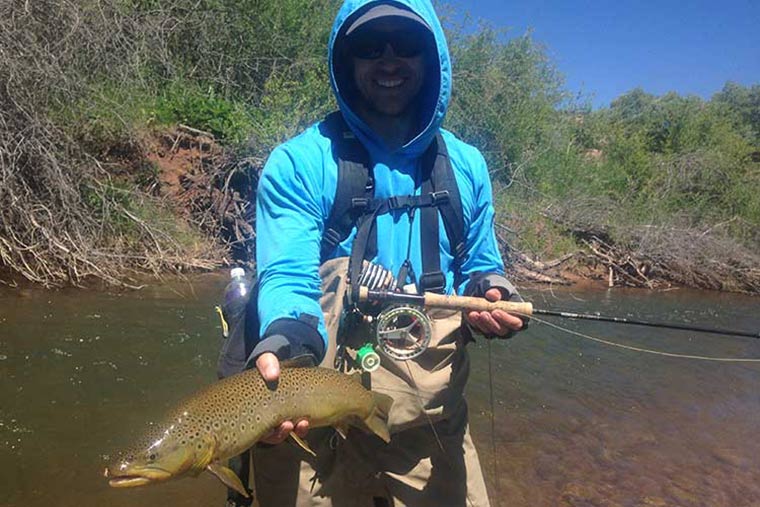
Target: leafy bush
x,y
229,120
82,81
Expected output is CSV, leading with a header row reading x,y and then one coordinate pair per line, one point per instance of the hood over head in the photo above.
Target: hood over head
x,y
436,91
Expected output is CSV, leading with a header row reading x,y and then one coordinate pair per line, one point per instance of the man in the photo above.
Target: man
x,y
391,75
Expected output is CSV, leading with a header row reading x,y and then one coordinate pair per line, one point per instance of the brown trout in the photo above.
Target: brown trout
x,y
228,417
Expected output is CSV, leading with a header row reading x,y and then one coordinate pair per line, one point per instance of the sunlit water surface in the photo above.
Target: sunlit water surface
x,y
560,421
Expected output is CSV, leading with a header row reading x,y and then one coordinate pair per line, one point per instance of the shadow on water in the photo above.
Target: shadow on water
x,y
576,423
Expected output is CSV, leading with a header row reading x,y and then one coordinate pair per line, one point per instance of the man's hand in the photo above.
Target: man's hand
x,y
269,367
496,322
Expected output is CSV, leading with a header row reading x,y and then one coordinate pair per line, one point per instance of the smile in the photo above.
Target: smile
x,y
389,83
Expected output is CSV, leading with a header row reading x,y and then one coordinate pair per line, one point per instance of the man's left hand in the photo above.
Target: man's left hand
x,y
269,367
496,322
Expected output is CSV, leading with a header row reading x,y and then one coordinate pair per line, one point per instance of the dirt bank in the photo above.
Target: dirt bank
x,y
204,191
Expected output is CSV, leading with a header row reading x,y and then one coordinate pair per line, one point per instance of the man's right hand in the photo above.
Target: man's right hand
x,y
269,367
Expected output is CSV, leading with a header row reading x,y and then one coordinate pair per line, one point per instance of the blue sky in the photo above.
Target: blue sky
x,y
606,48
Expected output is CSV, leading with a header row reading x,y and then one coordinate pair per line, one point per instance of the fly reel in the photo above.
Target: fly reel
x,y
403,332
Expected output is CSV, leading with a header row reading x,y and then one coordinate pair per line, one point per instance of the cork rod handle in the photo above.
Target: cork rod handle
x,y
478,304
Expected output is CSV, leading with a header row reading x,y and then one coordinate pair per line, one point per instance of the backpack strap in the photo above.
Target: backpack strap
x,y
355,188
440,187
354,205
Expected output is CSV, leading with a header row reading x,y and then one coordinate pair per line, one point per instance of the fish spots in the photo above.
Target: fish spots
x,y
235,410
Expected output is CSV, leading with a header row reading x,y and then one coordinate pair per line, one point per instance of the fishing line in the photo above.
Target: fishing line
x,y
598,340
422,408
430,422
493,420
646,351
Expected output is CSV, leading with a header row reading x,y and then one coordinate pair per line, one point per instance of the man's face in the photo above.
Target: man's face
x,y
389,66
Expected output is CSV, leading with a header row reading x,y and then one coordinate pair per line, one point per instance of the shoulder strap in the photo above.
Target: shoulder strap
x,y
451,209
354,204
441,185
355,187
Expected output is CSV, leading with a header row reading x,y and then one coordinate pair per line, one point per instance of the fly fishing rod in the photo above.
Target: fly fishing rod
x,y
432,300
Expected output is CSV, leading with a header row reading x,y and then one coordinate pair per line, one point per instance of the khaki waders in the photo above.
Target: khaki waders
x,y
430,461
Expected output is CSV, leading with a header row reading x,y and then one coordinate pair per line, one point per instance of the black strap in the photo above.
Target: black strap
x,y
445,185
355,187
431,278
364,232
354,205
441,186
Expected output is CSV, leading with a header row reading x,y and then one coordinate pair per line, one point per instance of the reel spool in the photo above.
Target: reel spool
x,y
403,332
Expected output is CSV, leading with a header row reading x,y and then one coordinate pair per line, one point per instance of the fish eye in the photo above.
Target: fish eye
x,y
152,457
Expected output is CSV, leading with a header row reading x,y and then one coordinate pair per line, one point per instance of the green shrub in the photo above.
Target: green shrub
x,y
187,103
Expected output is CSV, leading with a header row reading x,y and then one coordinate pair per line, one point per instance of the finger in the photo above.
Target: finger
x,y
279,434
484,322
269,366
472,318
282,431
493,326
302,427
508,320
493,294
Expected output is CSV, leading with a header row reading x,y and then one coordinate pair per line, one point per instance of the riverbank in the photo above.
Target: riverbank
x,y
203,192
128,149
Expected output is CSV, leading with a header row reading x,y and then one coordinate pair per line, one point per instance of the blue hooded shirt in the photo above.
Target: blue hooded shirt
x,y
297,188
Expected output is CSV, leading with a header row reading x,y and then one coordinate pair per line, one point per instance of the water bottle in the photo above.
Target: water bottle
x,y
234,354
236,295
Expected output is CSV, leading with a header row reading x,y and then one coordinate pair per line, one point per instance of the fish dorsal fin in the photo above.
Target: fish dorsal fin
x,y
304,361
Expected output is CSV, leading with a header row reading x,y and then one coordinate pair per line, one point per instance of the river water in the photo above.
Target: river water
x,y
559,420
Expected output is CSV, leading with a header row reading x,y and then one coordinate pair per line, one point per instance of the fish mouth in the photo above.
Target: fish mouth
x,y
135,478
129,481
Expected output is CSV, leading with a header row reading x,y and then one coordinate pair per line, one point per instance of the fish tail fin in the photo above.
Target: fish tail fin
x,y
383,404
377,422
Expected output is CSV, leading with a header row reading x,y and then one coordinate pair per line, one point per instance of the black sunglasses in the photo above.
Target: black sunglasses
x,y
371,44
